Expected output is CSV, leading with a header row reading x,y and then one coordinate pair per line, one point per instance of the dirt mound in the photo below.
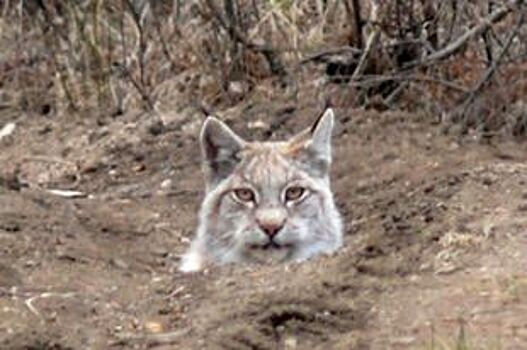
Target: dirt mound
x,y
267,324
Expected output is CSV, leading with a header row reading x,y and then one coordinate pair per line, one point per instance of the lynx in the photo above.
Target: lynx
x,y
265,202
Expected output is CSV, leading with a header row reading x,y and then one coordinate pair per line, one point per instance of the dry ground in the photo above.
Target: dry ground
x,y
434,257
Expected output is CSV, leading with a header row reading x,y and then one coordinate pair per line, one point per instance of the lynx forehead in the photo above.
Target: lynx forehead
x,y
265,201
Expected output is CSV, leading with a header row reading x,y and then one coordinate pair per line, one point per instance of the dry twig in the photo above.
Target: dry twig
x,y
492,69
320,56
371,42
477,30
236,34
402,77
140,84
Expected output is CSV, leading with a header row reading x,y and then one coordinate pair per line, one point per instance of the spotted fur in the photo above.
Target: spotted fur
x,y
265,201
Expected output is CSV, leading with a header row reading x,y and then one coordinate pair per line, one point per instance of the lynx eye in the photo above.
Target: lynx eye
x,y
294,193
244,194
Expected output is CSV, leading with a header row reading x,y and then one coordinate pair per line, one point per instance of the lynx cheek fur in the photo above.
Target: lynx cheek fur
x,y
265,201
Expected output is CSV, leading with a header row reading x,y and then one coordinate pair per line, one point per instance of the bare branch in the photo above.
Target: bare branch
x,y
486,36
376,80
353,14
236,34
372,40
456,45
140,85
492,69
322,55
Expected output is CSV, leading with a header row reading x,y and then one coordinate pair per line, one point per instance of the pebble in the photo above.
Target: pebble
x,y
7,130
153,327
166,184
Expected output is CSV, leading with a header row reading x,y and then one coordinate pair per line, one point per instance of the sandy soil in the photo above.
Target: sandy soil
x,y
436,235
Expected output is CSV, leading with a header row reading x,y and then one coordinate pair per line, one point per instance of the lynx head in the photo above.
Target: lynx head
x,y
265,201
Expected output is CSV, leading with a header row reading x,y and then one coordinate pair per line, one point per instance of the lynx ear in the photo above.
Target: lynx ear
x,y
219,147
321,133
312,147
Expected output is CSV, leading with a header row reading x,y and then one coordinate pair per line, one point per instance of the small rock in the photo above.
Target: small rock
x,y
119,263
258,124
7,130
237,87
166,184
153,327
290,343
135,323
414,278
30,263
139,167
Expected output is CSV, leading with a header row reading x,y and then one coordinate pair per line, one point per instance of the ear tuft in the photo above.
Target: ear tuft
x,y
220,147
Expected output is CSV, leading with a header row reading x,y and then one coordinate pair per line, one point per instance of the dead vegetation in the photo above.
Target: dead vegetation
x,y
464,62
100,108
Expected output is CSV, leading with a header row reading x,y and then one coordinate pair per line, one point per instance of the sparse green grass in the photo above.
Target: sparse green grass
x,y
514,289
462,341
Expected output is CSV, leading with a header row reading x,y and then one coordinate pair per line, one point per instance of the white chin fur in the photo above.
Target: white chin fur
x,y
191,262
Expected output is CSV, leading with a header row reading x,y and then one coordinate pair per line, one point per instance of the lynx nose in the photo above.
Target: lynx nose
x,y
271,229
271,221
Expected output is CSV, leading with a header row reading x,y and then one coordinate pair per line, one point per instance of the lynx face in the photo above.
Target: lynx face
x,y
265,202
